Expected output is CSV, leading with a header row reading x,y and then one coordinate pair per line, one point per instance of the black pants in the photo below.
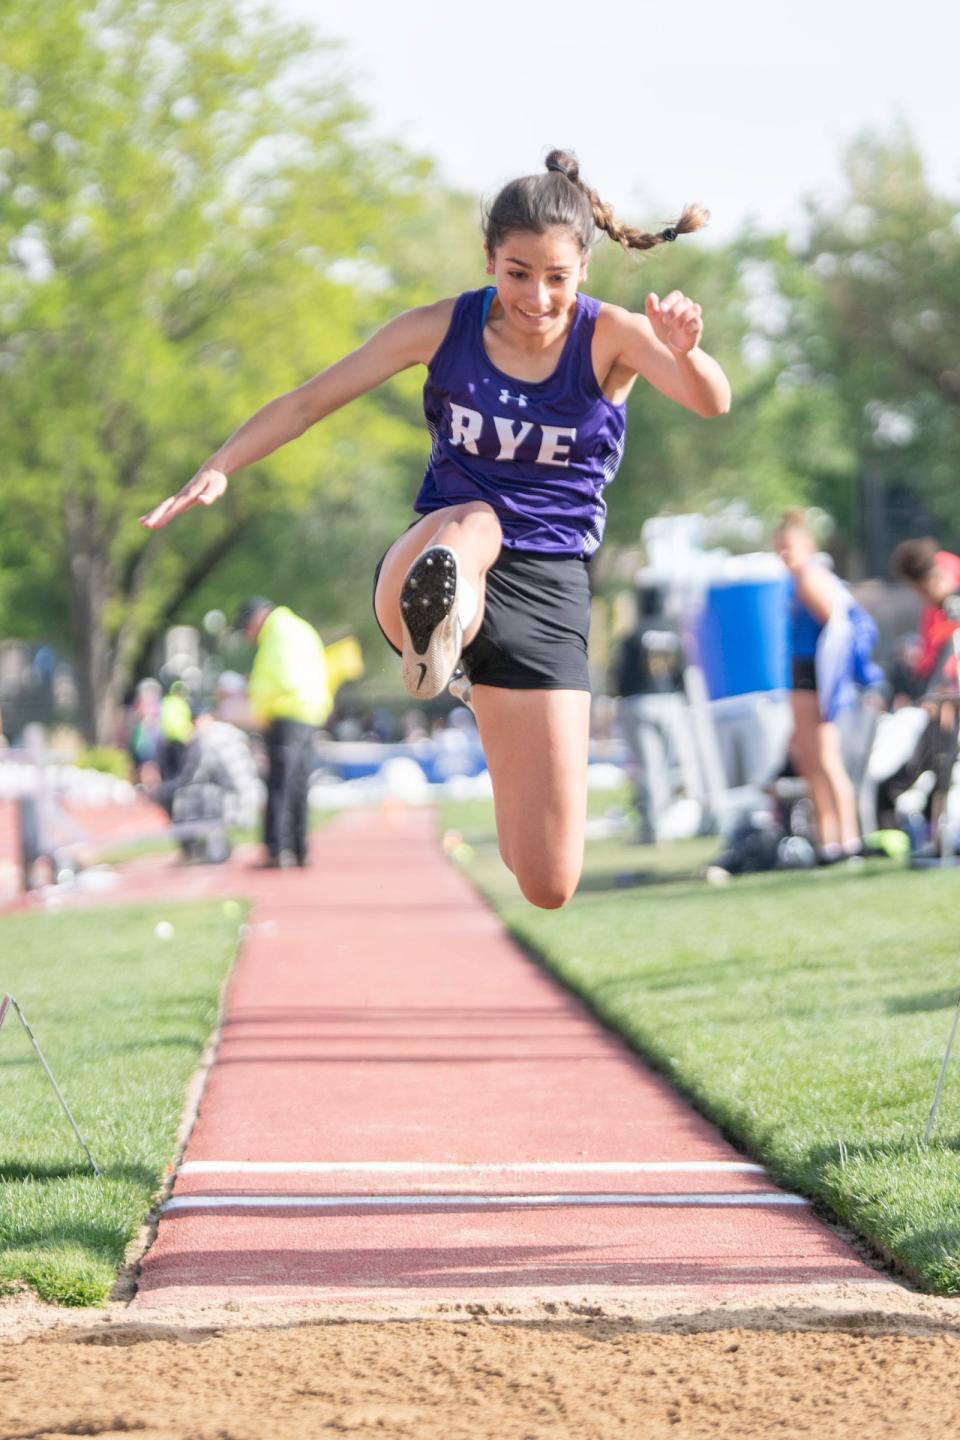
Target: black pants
x,y
289,762
170,758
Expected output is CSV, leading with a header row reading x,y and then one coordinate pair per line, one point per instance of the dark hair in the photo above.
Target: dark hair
x,y
248,608
913,560
536,203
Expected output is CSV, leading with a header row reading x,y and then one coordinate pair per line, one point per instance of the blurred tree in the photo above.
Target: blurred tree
x,y
191,221
864,320
763,452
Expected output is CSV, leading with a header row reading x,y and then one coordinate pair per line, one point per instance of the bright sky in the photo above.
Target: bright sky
x,y
744,105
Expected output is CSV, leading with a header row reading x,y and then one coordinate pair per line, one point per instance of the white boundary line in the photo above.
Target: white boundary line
x,y
748,1199
426,1167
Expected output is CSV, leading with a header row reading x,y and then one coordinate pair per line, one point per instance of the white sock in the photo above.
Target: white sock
x,y
468,604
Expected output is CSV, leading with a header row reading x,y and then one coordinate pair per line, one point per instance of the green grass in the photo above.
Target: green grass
x,y
122,1018
806,1013
474,818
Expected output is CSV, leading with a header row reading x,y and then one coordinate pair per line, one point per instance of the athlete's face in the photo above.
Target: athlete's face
x,y
537,277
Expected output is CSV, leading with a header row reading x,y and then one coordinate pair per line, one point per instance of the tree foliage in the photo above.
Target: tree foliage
x,y
868,327
193,220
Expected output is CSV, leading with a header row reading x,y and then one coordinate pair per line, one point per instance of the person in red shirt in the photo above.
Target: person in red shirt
x,y
935,576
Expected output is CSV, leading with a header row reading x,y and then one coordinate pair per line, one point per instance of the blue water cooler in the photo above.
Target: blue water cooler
x,y
741,645
741,636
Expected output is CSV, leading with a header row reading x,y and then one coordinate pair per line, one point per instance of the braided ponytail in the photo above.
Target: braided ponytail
x,y
693,217
535,203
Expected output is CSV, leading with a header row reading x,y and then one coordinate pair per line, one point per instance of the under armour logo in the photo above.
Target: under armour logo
x,y
505,397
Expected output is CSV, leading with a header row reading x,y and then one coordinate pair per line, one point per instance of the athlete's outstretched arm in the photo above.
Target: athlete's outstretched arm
x,y
664,347
410,339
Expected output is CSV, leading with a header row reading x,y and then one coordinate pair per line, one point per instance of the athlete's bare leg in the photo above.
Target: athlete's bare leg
x,y
815,749
844,795
536,745
472,531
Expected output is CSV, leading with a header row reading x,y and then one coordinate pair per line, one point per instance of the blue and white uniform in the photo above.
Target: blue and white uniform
x,y
803,634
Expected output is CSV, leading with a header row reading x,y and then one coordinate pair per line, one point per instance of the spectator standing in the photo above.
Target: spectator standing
x,y
144,741
648,679
818,598
289,697
176,731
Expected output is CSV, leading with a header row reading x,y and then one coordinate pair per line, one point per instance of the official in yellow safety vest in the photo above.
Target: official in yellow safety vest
x,y
290,696
176,730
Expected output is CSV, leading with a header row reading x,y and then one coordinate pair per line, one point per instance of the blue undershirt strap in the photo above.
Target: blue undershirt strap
x,y
488,295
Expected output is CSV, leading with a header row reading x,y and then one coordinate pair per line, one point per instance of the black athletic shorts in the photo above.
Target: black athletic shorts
x,y
804,673
536,622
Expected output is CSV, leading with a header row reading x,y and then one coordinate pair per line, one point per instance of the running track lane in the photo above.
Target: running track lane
x,y
405,1107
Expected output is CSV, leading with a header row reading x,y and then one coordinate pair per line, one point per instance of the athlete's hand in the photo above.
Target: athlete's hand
x,y
677,321
205,487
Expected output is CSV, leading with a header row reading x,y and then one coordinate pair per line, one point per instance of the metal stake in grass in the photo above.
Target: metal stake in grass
x,y
943,1071
5,1005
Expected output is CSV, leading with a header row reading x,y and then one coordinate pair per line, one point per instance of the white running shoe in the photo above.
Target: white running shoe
x,y
461,689
429,612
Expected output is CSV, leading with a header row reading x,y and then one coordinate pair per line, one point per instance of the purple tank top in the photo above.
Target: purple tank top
x,y
539,453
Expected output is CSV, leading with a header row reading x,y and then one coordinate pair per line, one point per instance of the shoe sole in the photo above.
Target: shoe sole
x,y
431,627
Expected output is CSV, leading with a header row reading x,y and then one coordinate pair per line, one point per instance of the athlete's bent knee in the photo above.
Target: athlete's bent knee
x,y
547,892
479,508
474,512
481,519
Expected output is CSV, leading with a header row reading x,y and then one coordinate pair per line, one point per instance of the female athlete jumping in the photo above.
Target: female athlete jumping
x,y
525,398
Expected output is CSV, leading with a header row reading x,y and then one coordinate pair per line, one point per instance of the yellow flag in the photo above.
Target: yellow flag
x,y
344,661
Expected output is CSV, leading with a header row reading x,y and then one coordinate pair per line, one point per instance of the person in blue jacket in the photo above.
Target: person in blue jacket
x,y
830,639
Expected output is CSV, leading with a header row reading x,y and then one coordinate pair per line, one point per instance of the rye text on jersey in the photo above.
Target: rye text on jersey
x,y
550,444
540,453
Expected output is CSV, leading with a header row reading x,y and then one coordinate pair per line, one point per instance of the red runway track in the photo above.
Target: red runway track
x,y
405,1107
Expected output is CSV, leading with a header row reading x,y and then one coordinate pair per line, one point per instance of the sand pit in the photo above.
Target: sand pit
x,y
793,1370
